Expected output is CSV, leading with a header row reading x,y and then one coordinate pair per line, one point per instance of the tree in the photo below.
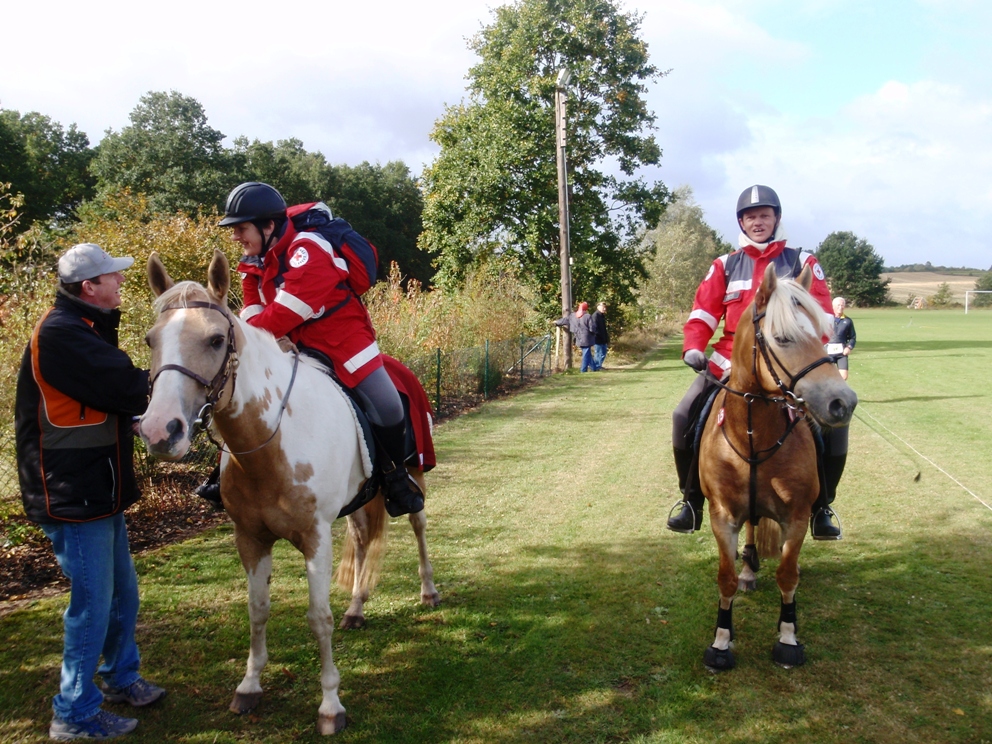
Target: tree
x,y
984,282
300,176
683,248
46,163
853,269
493,187
385,205
168,153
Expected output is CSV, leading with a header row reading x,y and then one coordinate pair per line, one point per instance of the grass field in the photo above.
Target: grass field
x,y
571,615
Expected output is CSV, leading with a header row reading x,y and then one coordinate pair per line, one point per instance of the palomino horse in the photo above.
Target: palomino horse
x,y
757,457
291,460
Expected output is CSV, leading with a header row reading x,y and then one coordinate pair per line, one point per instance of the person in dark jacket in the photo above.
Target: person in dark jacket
x,y
601,336
580,325
844,338
77,395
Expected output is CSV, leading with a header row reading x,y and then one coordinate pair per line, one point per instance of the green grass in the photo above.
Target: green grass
x,y
571,615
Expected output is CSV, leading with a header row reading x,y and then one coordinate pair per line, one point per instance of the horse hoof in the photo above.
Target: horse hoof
x,y
788,656
719,660
327,725
433,600
245,702
747,585
352,622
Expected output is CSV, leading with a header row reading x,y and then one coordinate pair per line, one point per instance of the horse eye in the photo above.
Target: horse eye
x,y
148,340
216,341
781,341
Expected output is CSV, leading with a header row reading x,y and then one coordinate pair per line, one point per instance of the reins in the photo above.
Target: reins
x,y
228,372
792,406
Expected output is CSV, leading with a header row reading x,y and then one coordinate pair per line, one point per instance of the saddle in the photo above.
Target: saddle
x,y
373,468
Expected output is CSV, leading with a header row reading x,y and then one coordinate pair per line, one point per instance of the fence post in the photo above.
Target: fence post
x,y
521,359
437,397
485,375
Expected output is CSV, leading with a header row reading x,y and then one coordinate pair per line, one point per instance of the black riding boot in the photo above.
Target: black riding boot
x,y
822,523
403,495
210,490
690,516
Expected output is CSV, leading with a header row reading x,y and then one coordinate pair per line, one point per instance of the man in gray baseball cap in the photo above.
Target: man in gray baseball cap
x,y
77,394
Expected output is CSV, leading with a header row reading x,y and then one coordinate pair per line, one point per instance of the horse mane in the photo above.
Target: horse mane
x,y
781,319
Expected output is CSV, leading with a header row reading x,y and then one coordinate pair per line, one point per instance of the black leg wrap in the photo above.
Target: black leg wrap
x,y
788,614
750,557
725,620
719,660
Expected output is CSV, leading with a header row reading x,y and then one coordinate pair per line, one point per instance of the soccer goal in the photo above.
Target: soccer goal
x,y
972,292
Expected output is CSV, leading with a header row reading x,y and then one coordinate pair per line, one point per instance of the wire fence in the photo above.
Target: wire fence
x,y
453,380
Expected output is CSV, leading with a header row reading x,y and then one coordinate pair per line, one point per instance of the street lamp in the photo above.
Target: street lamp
x,y
564,76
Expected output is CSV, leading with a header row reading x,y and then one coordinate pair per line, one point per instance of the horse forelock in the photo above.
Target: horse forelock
x,y
180,295
783,319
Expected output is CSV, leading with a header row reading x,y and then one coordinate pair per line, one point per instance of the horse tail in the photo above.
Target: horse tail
x,y
768,539
374,517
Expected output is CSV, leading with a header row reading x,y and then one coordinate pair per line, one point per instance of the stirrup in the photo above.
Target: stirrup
x,y
831,514
697,517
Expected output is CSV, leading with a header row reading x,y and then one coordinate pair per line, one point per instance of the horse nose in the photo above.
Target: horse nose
x,y
842,408
175,429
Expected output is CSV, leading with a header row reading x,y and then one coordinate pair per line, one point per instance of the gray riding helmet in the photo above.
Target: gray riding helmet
x,y
758,196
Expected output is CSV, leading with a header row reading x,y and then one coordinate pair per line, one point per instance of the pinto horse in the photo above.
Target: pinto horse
x,y
291,460
757,456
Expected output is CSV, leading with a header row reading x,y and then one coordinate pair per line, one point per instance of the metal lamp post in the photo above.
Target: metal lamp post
x,y
564,76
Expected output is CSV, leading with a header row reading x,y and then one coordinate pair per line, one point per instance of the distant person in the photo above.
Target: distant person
x,y
77,395
601,336
842,342
580,325
725,292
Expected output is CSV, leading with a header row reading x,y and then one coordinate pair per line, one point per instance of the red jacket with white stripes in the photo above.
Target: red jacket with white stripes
x,y
729,287
299,289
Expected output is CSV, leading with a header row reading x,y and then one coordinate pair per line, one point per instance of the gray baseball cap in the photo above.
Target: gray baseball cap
x,y
88,261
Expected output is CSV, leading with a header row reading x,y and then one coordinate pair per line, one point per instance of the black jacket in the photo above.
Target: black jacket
x,y
844,332
599,323
581,328
76,396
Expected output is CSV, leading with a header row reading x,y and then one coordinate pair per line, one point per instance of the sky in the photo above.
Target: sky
x,y
870,116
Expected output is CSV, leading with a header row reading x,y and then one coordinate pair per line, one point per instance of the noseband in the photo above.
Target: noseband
x,y
228,372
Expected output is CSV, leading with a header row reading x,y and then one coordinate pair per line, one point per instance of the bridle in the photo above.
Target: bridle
x,y
792,405
228,372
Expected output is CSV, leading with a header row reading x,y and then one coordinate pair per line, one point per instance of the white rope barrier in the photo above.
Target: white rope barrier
x,y
861,409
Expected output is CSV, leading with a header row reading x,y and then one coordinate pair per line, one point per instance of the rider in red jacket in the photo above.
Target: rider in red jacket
x,y
295,285
724,294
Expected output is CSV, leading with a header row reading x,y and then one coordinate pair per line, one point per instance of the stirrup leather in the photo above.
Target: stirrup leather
x,y
830,513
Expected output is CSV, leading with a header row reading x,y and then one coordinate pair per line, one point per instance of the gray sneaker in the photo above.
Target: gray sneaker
x,y
139,693
103,725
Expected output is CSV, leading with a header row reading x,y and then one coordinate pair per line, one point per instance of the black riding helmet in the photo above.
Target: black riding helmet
x,y
757,196
253,202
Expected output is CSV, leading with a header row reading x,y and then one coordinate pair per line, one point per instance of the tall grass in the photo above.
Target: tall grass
x,y
571,615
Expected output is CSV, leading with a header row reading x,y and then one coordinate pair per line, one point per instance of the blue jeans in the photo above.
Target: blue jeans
x,y
102,612
599,354
588,365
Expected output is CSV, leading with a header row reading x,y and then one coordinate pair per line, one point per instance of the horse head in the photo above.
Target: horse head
x,y
193,355
782,349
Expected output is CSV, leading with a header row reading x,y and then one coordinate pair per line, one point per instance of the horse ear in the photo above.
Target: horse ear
x,y
219,278
158,278
806,278
768,285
